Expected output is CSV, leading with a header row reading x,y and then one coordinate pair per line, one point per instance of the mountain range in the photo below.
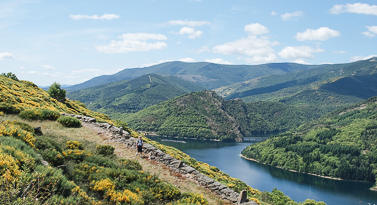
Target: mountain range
x,y
310,90
207,75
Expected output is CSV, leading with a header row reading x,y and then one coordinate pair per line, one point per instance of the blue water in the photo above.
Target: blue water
x,y
226,156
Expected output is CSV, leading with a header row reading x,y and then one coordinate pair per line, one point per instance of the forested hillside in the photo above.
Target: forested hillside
x,y
133,95
207,75
205,115
341,145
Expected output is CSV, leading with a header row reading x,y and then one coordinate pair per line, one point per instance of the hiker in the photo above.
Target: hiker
x,y
139,146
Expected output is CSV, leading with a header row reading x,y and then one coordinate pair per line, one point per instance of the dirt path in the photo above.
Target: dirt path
x,y
163,172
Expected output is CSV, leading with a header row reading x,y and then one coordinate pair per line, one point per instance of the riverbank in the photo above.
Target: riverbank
x,y
291,170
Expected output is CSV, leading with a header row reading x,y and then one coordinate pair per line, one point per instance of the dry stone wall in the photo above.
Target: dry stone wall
x,y
120,136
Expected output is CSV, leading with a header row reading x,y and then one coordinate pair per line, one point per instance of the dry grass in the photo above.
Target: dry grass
x,y
89,136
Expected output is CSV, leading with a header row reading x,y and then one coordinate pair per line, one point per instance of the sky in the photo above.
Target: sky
x,y
70,41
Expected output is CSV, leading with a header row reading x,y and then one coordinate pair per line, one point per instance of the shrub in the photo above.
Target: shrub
x,y
100,161
130,164
74,145
105,150
56,92
165,192
8,108
69,121
11,129
39,114
191,198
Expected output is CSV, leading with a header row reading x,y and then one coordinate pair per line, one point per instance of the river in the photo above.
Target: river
x,y
227,157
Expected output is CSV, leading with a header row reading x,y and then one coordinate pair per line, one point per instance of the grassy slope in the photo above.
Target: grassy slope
x,y
90,139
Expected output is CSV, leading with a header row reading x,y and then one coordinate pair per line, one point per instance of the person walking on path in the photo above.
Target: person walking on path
x,y
139,146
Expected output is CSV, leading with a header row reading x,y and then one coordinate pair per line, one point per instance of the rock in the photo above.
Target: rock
x,y
242,197
38,131
180,164
186,169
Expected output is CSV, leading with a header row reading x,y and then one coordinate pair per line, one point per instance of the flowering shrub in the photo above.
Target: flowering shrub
x,y
78,155
69,121
105,150
8,108
13,129
74,145
165,192
39,114
191,198
130,164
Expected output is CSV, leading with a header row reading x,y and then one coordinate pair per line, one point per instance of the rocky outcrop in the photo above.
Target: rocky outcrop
x,y
119,136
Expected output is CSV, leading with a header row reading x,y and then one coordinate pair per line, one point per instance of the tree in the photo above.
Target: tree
x,y
10,75
55,91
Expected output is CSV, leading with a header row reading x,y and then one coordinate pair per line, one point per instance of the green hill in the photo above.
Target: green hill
x,y
205,115
341,145
129,96
207,75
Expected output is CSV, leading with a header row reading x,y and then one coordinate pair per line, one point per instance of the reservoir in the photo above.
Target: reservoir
x,y
226,156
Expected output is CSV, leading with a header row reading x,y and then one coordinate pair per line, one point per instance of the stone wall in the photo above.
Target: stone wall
x,y
120,136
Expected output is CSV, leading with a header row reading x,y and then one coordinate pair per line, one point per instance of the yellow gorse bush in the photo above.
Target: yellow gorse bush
x,y
9,169
74,145
107,187
11,130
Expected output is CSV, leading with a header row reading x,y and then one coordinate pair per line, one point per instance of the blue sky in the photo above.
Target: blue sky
x,y
70,42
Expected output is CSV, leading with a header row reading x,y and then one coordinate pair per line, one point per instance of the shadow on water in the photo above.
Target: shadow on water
x,y
320,183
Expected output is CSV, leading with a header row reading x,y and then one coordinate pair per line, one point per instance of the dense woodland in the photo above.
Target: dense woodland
x,y
205,115
341,145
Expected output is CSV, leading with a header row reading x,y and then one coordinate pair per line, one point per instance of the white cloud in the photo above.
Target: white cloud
x,y
274,13
321,34
298,52
192,33
250,46
340,52
358,8
48,67
372,31
135,42
218,61
291,16
257,49
203,49
94,17
357,58
6,55
188,23
269,58
256,29
187,60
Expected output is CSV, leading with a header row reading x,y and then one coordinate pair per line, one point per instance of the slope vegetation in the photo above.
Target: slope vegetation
x,y
205,115
133,95
340,145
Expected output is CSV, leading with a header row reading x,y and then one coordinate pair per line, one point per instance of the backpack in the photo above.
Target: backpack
x,y
139,142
